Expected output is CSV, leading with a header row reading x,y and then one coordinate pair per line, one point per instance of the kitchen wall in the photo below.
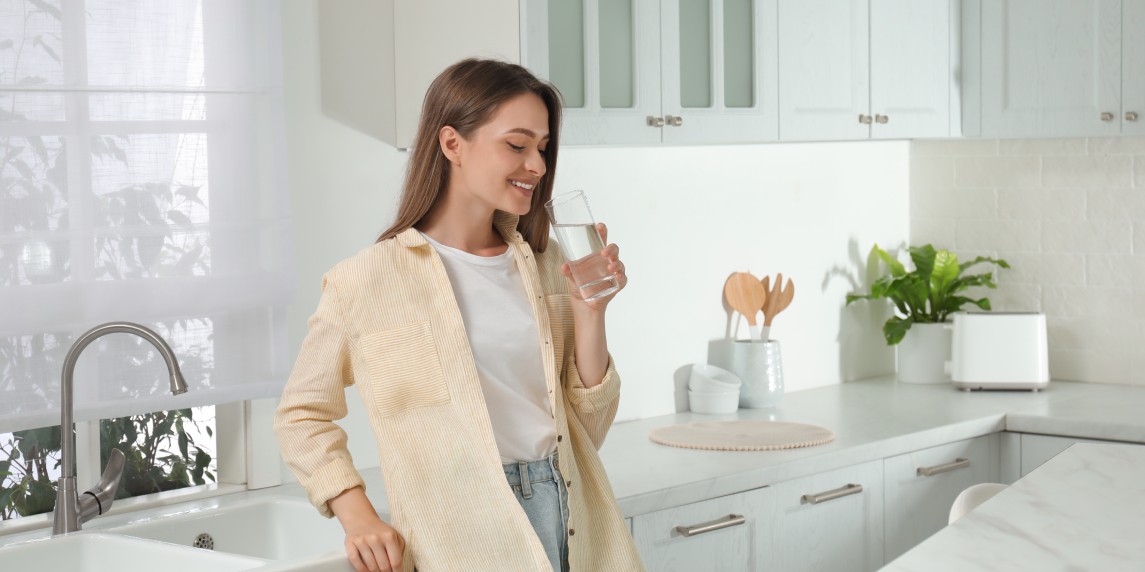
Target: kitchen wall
x,y
684,218
1069,216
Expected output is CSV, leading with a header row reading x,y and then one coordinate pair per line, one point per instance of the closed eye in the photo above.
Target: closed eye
x,y
517,148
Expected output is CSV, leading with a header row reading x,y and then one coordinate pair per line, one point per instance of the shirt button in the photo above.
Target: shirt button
x,y
568,484
572,532
559,438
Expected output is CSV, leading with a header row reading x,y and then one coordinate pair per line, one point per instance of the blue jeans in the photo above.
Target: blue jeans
x,y
540,489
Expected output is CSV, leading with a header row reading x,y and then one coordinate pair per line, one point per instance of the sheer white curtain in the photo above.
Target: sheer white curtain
x,y
141,178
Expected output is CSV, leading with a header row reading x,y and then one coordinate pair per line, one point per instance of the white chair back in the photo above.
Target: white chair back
x,y
972,497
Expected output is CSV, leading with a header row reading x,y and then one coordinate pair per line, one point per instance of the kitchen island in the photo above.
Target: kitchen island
x,y
1082,510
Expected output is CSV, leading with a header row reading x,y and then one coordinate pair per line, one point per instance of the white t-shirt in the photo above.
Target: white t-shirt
x,y
502,332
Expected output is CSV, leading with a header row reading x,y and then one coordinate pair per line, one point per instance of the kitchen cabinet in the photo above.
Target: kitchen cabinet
x,y
1054,68
379,57
921,486
1037,449
859,69
830,521
657,71
726,533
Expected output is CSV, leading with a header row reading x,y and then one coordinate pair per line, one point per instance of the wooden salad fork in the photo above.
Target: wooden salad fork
x,y
777,300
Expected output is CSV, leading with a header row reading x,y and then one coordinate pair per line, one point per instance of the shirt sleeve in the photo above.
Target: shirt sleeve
x,y
594,406
313,446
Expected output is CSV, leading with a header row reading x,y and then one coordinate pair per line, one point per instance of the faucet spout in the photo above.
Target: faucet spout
x,y
72,511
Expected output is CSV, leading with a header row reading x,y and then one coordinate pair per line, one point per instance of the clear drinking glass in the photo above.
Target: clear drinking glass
x,y
581,245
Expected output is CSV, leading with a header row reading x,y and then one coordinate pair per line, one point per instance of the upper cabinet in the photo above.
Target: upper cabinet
x,y
1046,68
652,71
858,69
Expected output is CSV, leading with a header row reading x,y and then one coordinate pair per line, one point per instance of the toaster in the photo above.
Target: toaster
x,y
1000,350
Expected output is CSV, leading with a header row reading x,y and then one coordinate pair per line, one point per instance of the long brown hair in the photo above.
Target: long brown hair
x,y
465,96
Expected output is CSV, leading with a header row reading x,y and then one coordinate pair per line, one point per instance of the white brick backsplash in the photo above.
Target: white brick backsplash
x,y
1115,204
931,173
1040,203
1013,297
1117,146
953,147
1069,216
1041,147
979,172
963,203
1098,334
1094,171
1048,270
1101,237
1011,235
1109,270
1087,301
1088,365
936,231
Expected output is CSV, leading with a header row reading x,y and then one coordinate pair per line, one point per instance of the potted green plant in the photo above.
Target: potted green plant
x,y
923,299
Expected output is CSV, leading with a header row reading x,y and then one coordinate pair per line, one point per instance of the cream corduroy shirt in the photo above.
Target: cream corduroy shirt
x,y
388,322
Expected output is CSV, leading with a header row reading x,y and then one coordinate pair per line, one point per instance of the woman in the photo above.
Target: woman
x,y
486,378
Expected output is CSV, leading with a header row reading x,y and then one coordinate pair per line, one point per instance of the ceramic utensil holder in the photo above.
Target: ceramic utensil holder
x,y
760,367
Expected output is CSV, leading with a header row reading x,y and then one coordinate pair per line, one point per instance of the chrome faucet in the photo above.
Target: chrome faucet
x,y
73,510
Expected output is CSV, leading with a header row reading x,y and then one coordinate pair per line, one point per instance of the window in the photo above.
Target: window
x,y
141,179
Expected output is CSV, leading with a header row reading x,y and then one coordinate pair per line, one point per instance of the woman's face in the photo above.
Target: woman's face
x,y
502,163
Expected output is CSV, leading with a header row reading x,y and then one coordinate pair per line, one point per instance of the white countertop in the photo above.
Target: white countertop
x,y
1082,510
872,419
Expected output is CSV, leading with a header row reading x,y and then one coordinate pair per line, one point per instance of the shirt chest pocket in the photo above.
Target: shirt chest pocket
x,y
404,367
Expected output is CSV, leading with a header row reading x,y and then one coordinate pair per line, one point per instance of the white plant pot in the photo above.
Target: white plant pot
x,y
921,356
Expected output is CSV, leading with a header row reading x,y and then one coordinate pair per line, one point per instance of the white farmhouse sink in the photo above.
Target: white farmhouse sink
x,y
94,552
274,528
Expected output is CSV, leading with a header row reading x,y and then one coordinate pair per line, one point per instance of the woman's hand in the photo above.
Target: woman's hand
x,y
612,253
371,544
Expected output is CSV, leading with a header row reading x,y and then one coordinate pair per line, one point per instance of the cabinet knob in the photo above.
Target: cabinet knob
x,y
674,120
1106,116
864,119
881,119
655,121
1131,116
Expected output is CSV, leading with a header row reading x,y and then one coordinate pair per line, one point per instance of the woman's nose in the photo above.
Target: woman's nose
x,y
535,163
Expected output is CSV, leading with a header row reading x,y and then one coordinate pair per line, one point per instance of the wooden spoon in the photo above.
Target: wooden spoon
x,y
746,295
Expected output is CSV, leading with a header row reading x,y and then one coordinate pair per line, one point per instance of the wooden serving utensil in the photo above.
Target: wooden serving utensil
x,y
746,295
777,300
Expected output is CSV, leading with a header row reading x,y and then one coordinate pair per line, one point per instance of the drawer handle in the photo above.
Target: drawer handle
x,y
843,491
723,522
931,471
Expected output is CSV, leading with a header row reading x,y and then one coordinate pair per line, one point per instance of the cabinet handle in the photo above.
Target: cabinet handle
x,y
655,121
674,120
881,119
843,491
931,471
722,522
864,119
1106,116
1131,116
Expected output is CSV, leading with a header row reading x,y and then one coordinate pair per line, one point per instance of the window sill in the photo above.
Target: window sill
x,y
125,506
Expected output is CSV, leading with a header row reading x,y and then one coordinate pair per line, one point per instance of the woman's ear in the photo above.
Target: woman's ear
x,y
450,141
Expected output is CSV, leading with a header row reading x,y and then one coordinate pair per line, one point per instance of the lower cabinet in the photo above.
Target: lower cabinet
x,y
830,521
726,533
921,486
1037,449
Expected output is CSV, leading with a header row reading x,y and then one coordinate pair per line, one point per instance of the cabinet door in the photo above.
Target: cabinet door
x,y
1037,449
823,70
920,488
1133,67
736,536
911,74
604,57
1051,68
720,71
844,533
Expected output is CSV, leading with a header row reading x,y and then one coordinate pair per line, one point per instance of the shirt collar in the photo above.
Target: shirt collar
x,y
505,223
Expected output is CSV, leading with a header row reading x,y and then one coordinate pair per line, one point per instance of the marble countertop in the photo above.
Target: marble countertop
x,y
1082,510
872,419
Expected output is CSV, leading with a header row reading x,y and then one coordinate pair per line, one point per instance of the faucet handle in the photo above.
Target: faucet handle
x,y
97,500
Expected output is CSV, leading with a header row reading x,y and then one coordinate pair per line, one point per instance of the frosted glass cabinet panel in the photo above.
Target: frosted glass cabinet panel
x,y
652,71
1051,67
719,67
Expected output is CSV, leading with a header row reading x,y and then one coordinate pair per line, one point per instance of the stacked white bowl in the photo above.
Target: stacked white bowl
x,y
713,390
